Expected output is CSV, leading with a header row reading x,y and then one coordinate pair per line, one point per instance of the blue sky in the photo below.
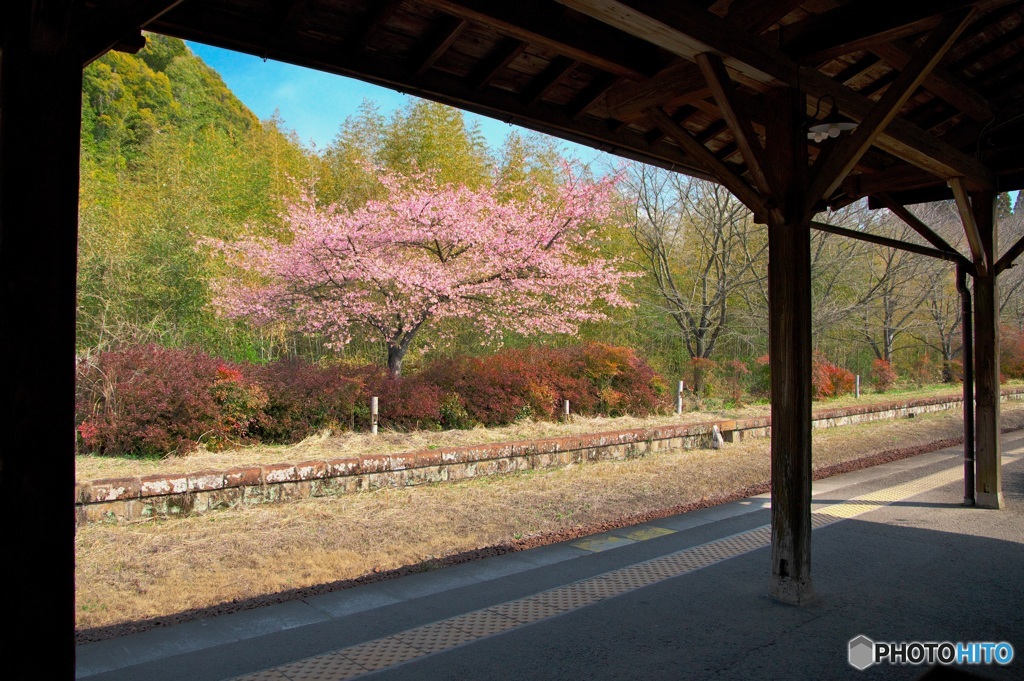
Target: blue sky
x,y
314,103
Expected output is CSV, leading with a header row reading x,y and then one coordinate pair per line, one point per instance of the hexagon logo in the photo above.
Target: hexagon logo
x,y
862,652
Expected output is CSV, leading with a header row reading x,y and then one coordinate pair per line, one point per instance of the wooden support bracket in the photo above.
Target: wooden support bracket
x,y
963,205
703,157
832,169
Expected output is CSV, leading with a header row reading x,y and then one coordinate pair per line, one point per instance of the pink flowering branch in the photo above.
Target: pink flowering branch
x,y
429,253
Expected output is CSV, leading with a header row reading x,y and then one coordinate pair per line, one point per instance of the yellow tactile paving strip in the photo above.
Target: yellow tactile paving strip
x,y
363,658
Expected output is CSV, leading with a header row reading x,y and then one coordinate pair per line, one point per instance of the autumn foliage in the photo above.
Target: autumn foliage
x,y
153,401
829,380
883,376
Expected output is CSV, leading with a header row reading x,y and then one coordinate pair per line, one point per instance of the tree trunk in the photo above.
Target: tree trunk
x,y
396,353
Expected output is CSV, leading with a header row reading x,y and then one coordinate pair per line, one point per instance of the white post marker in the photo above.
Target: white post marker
x,y
679,398
717,441
858,386
567,410
373,415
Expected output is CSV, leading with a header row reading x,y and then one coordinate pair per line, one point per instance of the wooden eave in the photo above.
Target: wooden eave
x,y
592,71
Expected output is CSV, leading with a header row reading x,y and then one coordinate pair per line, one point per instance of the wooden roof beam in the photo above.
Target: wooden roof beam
x,y
686,29
862,25
963,205
506,53
833,167
706,160
945,85
375,21
542,85
949,256
1012,253
117,21
446,34
757,16
737,118
590,95
678,84
915,223
250,35
524,20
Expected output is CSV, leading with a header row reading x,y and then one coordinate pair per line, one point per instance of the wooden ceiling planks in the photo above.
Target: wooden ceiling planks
x,y
589,70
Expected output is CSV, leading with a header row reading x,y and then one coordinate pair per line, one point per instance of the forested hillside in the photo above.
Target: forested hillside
x,y
171,159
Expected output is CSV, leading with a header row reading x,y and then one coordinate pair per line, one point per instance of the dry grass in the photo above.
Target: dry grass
x,y
327,446
154,568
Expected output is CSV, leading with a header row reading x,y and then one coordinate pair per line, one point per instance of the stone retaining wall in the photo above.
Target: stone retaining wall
x,y
138,498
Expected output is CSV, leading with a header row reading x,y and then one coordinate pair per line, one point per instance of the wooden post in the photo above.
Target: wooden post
x,y
858,386
374,416
789,350
566,410
40,118
968,378
988,491
679,398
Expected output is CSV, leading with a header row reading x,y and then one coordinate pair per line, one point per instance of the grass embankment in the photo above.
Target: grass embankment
x,y
390,442
155,569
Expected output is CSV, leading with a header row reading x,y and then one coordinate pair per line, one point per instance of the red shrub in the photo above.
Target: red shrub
x,y
597,379
407,403
883,376
736,373
701,372
1011,351
829,380
303,399
761,380
923,371
151,401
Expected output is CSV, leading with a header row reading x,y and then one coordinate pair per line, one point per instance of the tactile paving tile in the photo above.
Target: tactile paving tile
x,y
484,622
381,653
268,675
438,636
329,667
526,610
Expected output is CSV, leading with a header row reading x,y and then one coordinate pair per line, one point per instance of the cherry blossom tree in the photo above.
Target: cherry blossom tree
x,y
430,252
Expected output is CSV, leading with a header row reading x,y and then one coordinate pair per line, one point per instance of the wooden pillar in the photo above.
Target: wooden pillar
x,y
988,491
40,112
789,349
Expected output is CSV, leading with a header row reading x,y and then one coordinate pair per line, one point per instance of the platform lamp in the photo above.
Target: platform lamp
x,y
831,126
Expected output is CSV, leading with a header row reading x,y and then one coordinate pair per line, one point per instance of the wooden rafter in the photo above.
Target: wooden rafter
x,y
862,26
557,69
949,256
116,21
942,83
250,36
606,50
706,160
290,16
963,205
686,30
915,223
1012,253
376,20
443,39
506,53
835,165
757,16
678,84
737,118
590,95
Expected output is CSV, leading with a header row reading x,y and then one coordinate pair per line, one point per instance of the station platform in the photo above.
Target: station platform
x,y
896,558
